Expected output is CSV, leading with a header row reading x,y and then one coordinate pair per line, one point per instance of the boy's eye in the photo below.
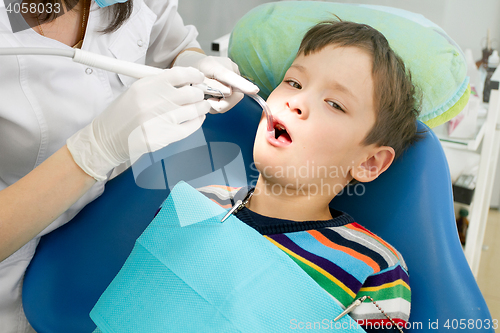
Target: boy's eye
x,y
335,105
294,84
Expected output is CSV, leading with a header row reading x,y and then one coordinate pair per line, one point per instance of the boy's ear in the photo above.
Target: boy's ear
x,y
377,162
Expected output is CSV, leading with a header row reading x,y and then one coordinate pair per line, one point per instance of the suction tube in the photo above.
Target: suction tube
x,y
90,59
267,111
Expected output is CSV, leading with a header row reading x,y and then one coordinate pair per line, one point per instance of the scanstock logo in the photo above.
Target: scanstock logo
x,y
25,15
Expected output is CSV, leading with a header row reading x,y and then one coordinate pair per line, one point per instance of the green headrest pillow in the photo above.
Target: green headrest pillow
x,y
265,41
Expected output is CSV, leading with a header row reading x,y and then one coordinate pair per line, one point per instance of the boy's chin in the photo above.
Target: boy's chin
x,y
270,168
276,181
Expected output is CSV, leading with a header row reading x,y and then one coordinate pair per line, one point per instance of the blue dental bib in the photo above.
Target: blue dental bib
x,y
188,272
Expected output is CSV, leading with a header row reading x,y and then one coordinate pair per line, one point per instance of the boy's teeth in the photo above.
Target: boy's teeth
x,y
280,127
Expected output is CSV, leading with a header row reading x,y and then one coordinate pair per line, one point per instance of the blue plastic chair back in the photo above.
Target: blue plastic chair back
x,y
410,206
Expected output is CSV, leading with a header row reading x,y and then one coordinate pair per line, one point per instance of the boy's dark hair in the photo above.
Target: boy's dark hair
x,y
395,95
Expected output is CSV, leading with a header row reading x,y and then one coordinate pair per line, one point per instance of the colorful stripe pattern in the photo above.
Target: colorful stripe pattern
x,y
347,261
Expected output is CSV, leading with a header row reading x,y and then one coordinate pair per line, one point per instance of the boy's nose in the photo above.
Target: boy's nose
x,y
298,105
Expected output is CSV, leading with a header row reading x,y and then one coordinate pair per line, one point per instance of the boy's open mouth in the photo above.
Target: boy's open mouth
x,y
281,134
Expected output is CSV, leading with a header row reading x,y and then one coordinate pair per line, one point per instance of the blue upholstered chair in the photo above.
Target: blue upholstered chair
x,y
410,206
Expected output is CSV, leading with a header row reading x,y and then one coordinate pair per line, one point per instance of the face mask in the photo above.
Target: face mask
x,y
105,3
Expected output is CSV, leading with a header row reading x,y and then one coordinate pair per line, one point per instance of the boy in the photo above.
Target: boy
x,y
345,109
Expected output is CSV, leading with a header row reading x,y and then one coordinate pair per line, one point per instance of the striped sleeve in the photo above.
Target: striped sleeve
x,y
391,291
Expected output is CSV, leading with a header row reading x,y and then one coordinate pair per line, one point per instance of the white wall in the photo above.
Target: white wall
x,y
214,18
466,21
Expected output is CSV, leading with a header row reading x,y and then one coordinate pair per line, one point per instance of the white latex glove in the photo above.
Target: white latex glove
x,y
151,114
223,70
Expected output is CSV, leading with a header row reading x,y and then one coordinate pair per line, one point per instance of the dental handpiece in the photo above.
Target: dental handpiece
x,y
139,71
131,69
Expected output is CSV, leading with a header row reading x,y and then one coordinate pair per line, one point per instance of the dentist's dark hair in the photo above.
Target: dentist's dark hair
x,y
396,98
118,13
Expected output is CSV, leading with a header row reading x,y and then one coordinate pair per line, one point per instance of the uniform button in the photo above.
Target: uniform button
x,y
89,71
140,43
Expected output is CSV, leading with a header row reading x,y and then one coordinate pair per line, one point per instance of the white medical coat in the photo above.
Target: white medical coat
x,y
45,99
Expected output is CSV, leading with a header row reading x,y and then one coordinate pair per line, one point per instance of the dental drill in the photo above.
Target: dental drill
x,y
131,69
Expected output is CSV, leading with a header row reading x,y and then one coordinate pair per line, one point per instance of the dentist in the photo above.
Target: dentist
x,y
64,126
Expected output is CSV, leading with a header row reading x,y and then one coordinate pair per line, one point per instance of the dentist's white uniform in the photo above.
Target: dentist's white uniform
x,y
44,100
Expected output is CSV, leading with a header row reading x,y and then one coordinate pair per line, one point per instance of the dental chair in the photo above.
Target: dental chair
x,y
410,206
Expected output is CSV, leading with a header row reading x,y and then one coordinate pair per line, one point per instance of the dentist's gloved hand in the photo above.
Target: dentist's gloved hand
x,y
223,70
151,114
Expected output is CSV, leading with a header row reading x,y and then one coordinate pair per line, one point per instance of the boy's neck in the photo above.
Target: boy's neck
x,y
273,200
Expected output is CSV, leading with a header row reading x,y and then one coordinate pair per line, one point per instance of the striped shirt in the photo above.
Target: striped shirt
x,y
345,259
